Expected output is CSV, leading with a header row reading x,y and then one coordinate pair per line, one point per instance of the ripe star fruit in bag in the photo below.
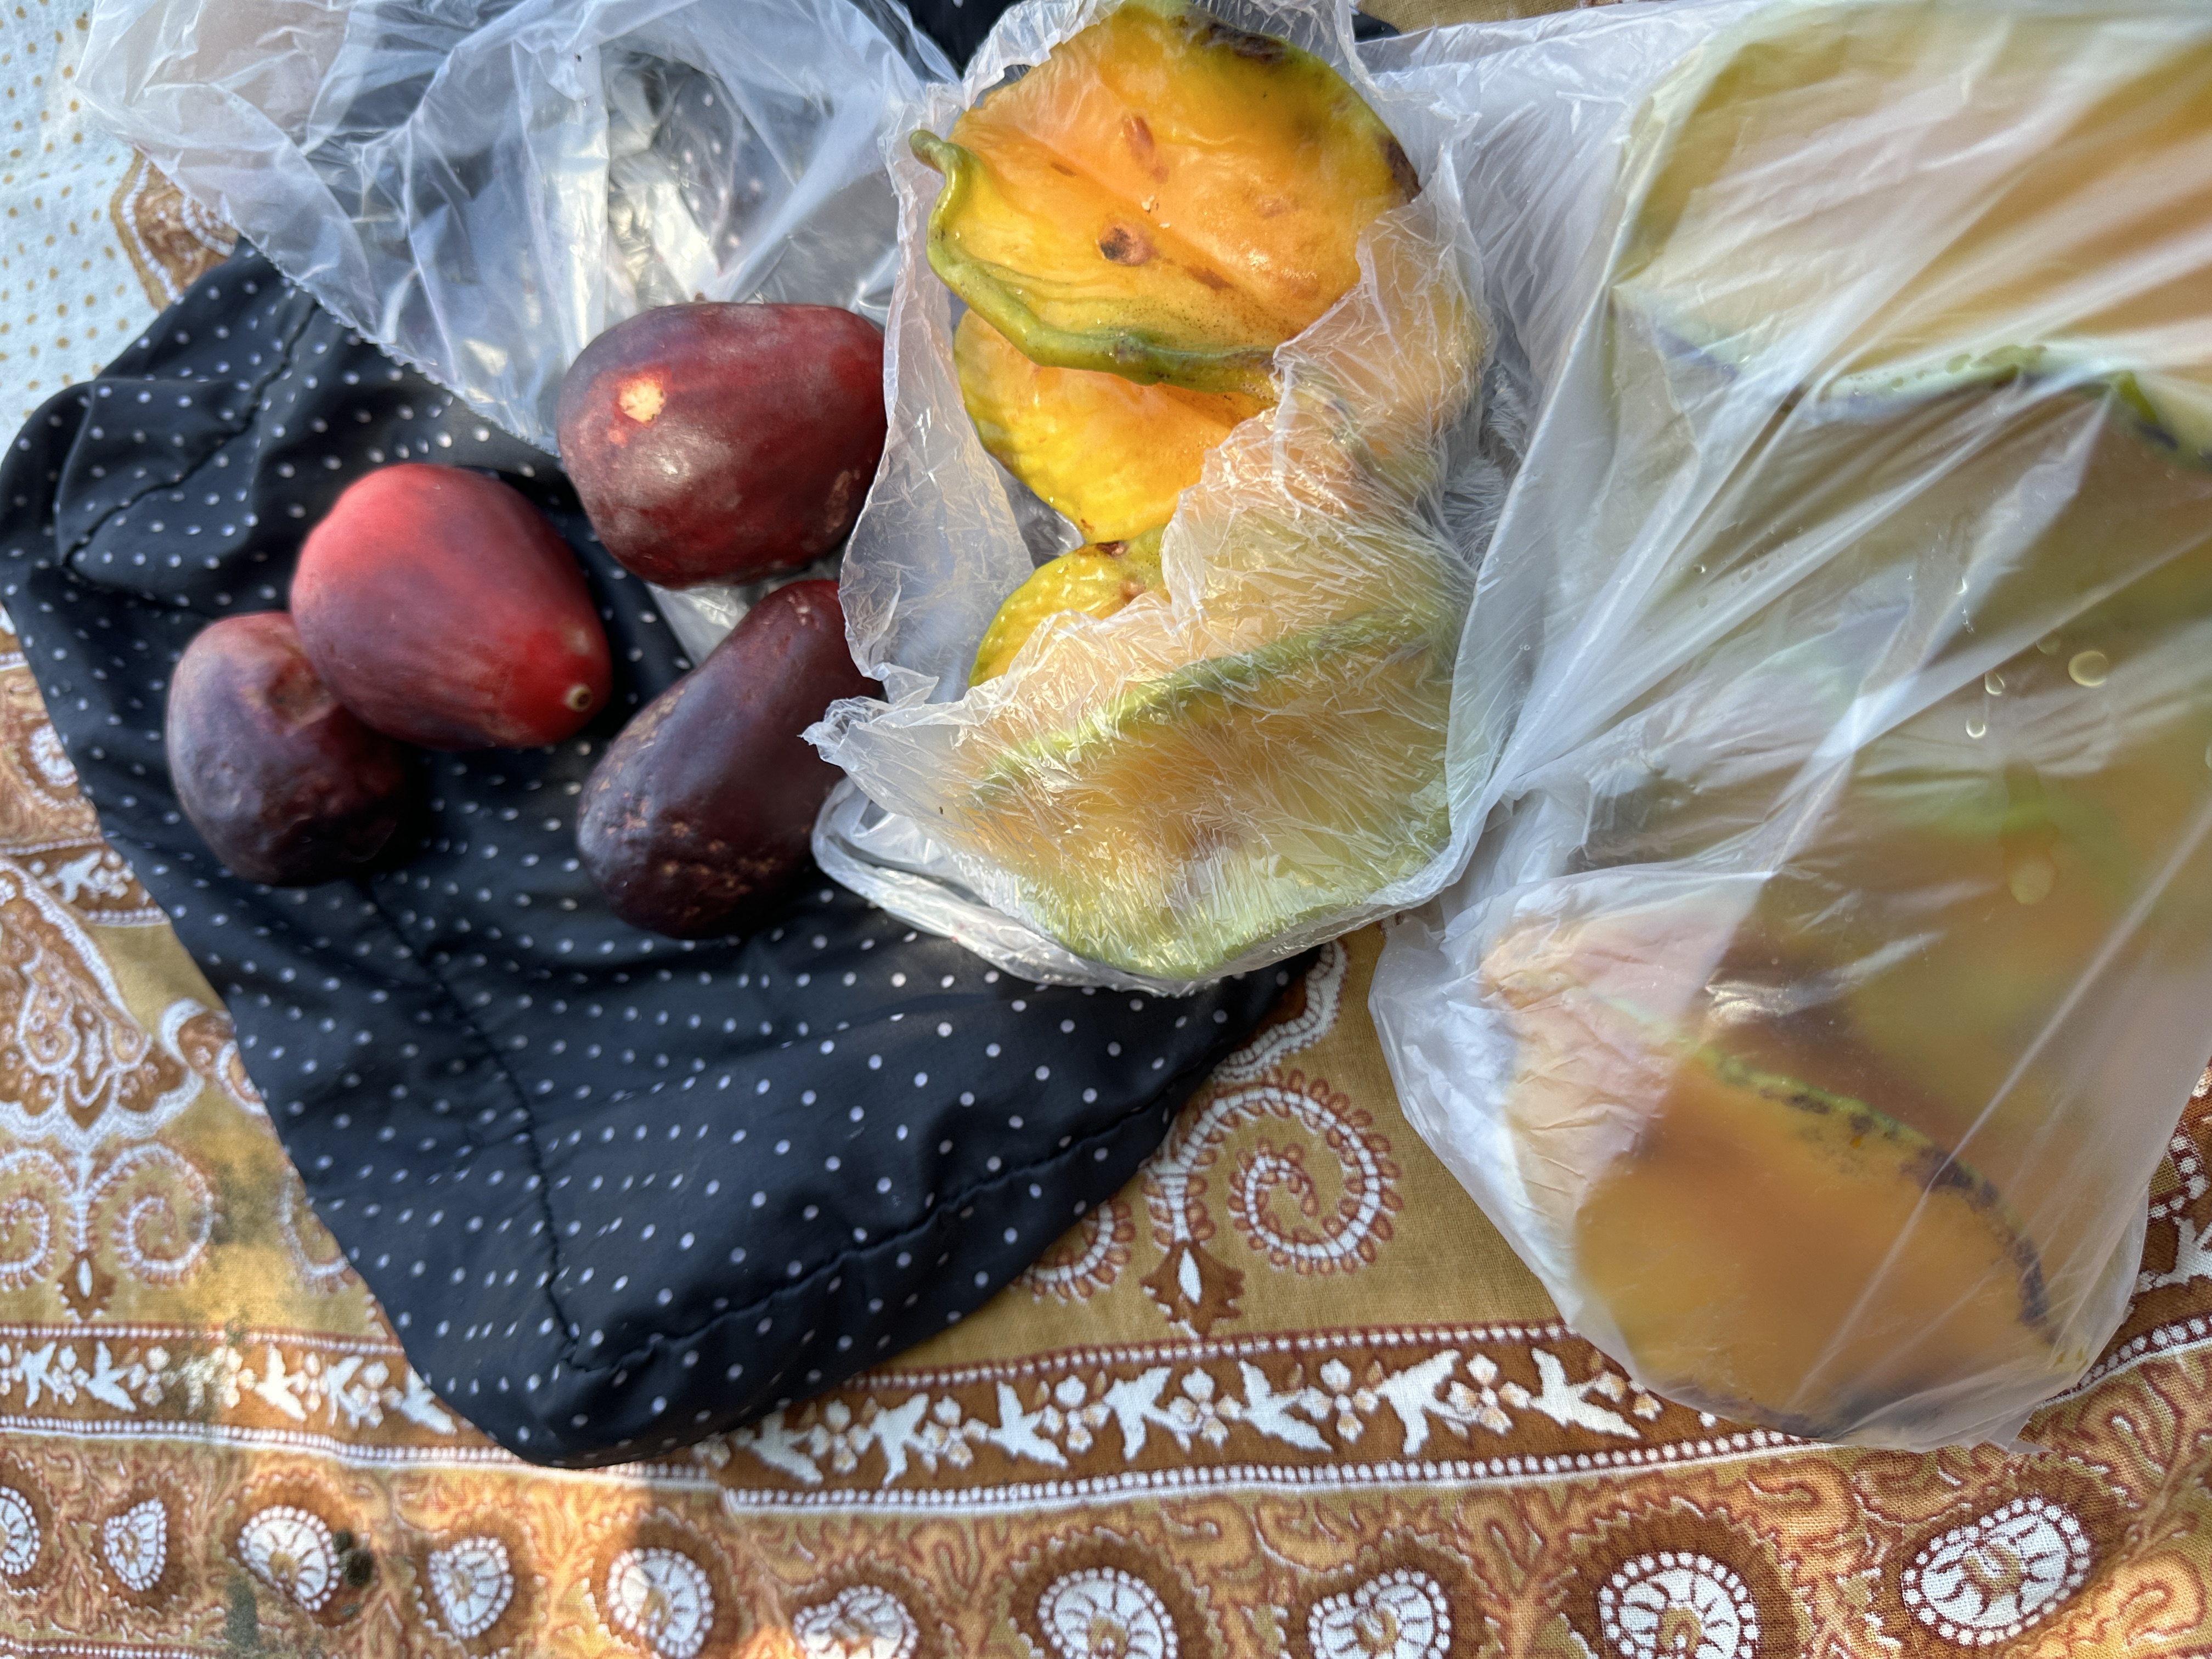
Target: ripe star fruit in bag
x,y
1109,454
1208,798
1096,580
1693,1223
2016,291
1807,1063
1164,198
1136,226
1814,1134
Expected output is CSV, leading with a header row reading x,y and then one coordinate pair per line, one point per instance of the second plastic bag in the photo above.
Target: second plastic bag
x,y
1838,697
1247,758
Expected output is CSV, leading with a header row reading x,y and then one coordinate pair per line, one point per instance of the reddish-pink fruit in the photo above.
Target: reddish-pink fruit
x,y
442,608
700,814
724,443
282,783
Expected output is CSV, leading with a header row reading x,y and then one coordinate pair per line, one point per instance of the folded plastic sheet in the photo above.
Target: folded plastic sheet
x,y
1206,782
1837,695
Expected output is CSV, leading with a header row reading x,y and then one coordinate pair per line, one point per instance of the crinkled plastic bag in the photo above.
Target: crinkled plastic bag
x,y
1837,695
1195,787
483,187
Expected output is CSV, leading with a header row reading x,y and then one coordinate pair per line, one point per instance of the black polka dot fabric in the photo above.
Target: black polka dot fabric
x,y
959,26
616,1192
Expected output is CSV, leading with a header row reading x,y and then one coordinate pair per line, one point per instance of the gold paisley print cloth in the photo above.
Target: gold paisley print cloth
x,y
1287,1394
93,243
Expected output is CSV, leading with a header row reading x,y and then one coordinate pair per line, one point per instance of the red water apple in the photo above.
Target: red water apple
x,y
442,608
700,814
282,783
724,443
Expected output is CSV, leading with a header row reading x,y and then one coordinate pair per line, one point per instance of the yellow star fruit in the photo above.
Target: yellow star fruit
x,y
1109,454
1165,198
1175,775
2060,234
1744,1202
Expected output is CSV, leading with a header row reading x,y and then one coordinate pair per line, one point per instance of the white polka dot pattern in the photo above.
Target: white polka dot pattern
x,y
616,1192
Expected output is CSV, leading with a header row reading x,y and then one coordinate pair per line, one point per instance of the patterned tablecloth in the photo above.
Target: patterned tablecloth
x,y
1288,1393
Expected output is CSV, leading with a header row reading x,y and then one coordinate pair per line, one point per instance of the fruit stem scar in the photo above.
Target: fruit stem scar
x,y
1125,247
579,697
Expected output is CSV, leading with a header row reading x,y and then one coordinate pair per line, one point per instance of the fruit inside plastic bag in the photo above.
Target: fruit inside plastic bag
x,y
1838,953
1166,198
1209,323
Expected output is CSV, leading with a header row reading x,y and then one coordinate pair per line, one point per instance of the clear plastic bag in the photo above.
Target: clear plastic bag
x,y
1837,696
1189,788
483,187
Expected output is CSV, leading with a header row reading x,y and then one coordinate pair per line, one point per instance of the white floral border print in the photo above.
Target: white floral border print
x,y
339,1390
1302,1399
1489,1405
1466,1404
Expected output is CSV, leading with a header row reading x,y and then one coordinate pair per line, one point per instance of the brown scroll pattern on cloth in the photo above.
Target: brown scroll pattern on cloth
x,y
1286,1393
171,240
